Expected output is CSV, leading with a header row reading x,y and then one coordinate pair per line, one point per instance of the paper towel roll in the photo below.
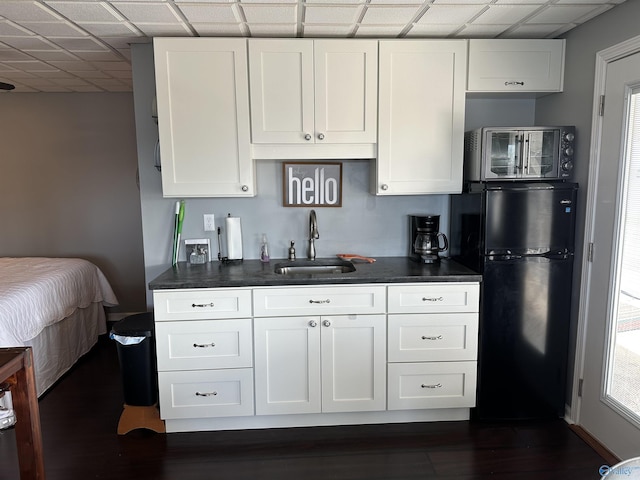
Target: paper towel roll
x,y
234,238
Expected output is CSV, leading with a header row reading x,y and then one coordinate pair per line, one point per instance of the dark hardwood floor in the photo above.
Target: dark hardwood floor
x,y
79,418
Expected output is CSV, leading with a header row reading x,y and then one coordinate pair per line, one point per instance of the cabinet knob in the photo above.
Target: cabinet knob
x,y
321,136
384,186
307,136
326,323
313,323
245,188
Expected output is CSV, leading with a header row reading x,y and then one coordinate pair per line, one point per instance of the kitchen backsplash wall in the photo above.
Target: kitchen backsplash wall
x,y
365,224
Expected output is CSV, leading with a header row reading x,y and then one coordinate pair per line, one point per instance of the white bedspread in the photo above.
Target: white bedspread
x,y
36,292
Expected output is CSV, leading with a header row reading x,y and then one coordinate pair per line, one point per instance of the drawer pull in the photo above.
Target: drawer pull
x,y
437,385
432,299
204,345
320,301
206,394
506,84
202,305
438,337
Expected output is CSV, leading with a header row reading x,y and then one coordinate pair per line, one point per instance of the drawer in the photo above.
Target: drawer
x,y
343,300
434,298
432,337
431,385
206,393
201,304
204,344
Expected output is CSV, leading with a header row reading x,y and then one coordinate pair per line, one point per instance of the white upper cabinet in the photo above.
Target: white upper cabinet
x,y
516,65
313,92
203,117
421,117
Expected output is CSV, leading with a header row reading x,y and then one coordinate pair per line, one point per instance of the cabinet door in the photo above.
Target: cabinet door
x,y
203,117
516,65
421,117
287,365
281,82
353,363
346,89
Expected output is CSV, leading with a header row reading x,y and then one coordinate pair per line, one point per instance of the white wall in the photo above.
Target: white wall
x,y
365,224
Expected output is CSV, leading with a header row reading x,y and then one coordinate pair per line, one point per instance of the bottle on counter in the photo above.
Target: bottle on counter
x,y
264,249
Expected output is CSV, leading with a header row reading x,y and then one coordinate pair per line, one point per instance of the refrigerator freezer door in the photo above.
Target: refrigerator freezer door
x,y
533,218
524,331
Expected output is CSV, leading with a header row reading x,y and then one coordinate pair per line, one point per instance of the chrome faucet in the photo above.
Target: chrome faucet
x,y
313,234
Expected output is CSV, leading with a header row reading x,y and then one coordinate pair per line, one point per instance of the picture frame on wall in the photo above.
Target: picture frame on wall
x,y
317,184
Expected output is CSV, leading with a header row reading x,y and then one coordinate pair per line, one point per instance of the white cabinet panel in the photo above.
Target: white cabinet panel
x,y
432,385
203,117
206,393
318,300
506,65
201,304
204,344
420,116
434,298
433,337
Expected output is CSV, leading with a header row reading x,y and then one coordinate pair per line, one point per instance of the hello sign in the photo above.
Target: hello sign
x,y
312,184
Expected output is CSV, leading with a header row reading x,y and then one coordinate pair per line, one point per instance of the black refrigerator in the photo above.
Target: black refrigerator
x,y
520,236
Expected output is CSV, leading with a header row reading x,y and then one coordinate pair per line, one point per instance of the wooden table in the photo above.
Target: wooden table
x,y
16,369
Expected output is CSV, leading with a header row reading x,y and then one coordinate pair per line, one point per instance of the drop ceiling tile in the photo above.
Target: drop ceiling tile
x,y
164,30
505,14
52,55
561,14
529,2
59,74
10,54
481,31
450,14
286,30
73,66
209,13
11,29
86,88
432,30
540,30
327,30
148,12
123,75
86,11
112,66
17,74
383,15
397,3
120,29
94,75
54,29
273,14
337,3
29,43
385,31
218,29
31,66
87,44
38,82
23,11
268,1
106,56
332,14
124,42
598,2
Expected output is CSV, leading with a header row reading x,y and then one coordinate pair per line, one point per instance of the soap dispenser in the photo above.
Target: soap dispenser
x,y
264,249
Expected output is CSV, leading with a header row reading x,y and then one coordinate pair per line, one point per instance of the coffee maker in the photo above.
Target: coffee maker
x,y
425,237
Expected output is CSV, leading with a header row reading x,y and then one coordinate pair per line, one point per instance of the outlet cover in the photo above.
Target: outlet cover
x,y
209,222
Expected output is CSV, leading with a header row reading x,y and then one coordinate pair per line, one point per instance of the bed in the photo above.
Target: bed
x,y
56,306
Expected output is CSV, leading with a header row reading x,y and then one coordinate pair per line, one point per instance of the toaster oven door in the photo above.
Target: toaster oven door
x,y
502,154
540,152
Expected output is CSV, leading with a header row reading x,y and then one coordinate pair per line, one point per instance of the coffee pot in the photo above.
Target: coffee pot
x,y
426,238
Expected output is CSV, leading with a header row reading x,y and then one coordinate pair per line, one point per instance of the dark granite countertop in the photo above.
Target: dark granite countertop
x,y
251,273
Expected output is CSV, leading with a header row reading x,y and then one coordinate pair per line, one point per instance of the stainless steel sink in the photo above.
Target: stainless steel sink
x,y
312,267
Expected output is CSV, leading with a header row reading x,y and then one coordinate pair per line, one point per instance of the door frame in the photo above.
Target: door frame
x,y
603,58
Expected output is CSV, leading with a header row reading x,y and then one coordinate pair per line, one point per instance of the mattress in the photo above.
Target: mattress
x,y
37,292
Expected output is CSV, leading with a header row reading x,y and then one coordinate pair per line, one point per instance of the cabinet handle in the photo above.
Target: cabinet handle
x,y
307,136
384,186
245,188
206,394
439,337
202,305
320,301
326,323
432,299
313,323
321,136
506,84
437,385
204,345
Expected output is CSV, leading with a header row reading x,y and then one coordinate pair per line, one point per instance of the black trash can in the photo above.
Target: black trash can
x,y
136,353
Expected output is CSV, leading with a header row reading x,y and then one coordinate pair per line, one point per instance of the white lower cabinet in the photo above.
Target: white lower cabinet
x,y
315,364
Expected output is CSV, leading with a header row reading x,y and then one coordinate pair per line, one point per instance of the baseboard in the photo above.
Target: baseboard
x,y
600,449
